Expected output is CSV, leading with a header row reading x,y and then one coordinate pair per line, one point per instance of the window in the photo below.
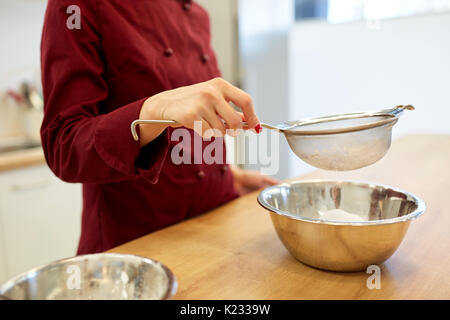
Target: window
x,y
337,11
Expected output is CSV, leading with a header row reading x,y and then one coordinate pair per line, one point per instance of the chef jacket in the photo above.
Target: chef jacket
x,y
96,73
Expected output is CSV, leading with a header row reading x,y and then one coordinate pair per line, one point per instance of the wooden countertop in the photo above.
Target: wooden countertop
x,y
21,158
233,251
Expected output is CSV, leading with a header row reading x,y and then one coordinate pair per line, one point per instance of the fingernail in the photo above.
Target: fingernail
x,y
258,128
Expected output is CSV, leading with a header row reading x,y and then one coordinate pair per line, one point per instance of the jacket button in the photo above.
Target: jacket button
x,y
205,58
186,6
224,169
168,52
201,174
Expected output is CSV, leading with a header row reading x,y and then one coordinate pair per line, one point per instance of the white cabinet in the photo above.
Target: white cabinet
x,y
40,218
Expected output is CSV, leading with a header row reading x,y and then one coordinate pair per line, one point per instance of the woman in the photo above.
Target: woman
x,y
126,61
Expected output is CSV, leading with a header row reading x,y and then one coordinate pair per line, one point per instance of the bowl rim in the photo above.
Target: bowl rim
x,y
172,285
421,207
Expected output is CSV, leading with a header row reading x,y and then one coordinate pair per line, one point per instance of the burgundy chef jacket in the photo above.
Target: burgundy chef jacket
x,y
95,80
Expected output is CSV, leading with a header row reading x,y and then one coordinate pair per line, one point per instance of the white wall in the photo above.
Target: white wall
x,y
350,67
20,36
320,69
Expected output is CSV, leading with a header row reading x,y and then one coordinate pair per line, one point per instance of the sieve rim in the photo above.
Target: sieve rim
x,y
390,120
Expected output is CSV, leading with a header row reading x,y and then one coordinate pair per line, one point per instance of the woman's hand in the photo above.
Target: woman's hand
x,y
207,102
246,181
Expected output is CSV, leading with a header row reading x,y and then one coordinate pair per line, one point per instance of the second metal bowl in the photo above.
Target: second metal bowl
x,y
384,215
102,276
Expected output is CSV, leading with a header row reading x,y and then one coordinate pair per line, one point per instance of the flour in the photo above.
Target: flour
x,y
339,215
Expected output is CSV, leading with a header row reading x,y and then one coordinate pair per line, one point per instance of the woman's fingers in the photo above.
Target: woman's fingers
x,y
245,127
270,181
205,130
232,118
240,99
214,122
221,110
260,180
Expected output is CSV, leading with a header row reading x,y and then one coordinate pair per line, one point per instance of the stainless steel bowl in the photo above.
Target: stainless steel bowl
x,y
385,215
103,276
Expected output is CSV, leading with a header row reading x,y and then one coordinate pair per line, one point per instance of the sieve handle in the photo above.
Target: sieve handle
x,y
397,111
135,123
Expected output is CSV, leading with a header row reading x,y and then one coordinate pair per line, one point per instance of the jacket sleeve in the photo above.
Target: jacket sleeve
x,y
81,143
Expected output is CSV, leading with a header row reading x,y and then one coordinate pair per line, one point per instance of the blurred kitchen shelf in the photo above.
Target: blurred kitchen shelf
x,y
26,155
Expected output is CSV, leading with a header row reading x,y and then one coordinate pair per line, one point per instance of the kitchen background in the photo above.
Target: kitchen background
x,y
297,58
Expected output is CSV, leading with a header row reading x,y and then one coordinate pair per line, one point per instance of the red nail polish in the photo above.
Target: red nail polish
x,y
258,128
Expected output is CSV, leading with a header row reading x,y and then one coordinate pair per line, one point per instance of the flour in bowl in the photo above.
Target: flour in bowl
x,y
339,215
